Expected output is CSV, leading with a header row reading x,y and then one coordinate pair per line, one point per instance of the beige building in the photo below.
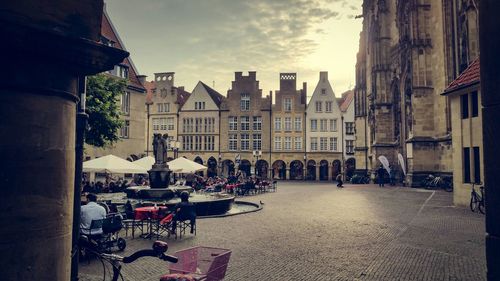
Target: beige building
x,y
467,133
288,129
199,123
245,127
131,143
408,55
346,105
323,136
163,104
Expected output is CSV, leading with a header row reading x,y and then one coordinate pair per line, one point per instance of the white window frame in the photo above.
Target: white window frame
x,y
287,143
277,143
319,106
245,123
314,143
257,123
314,125
233,123
245,102
323,125
277,123
287,104
257,141
298,123
323,144
288,124
233,142
245,142
298,143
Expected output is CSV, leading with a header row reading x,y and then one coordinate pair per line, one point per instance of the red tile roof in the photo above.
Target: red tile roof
x,y
149,86
347,98
470,76
109,33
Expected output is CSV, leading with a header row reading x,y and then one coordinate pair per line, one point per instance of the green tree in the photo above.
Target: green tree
x,y
102,106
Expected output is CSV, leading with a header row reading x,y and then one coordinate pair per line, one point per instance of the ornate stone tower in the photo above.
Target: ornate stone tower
x,y
409,52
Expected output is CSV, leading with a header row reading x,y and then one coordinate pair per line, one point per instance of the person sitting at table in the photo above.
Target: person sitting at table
x,y
184,211
91,211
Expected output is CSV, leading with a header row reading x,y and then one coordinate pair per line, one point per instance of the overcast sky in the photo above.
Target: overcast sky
x,y
209,40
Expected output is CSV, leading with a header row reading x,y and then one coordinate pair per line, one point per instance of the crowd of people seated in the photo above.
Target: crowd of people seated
x,y
111,185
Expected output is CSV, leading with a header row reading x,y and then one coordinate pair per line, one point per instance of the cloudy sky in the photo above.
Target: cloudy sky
x,y
209,40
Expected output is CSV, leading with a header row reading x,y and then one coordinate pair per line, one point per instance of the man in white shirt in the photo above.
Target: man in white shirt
x,y
89,212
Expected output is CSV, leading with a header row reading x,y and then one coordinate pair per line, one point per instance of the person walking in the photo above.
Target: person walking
x,y
339,180
380,176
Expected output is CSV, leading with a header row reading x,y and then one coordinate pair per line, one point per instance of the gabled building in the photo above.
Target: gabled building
x,y
346,105
288,129
199,124
323,136
131,143
163,104
464,94
245,117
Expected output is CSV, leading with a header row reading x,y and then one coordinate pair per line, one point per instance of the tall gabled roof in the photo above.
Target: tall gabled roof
x,y
216,96
182,95
470,76
347,98
109,32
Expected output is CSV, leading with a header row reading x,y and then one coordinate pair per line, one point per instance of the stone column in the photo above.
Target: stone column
x,y
48,47
317,171
330,172
489,28
287,174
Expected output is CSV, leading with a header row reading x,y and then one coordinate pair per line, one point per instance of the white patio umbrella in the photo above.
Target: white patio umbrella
x,y
112,164
183,165
145,162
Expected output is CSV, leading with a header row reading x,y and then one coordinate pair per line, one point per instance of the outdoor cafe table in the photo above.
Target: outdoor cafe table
x,y
232,186
151,214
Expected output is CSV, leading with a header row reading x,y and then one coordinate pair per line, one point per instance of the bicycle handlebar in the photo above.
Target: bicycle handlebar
x,y
149,253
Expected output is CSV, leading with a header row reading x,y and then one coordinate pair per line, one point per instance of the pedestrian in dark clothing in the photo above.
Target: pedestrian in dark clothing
x,y
339,180
380,176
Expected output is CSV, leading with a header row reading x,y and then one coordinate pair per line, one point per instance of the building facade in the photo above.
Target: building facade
x,y
199,124
245,128
163,104
288,129
323,138
467,133
346,105
410,51
131,143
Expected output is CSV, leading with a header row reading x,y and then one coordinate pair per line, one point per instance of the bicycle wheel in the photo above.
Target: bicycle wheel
x,y
473,203
480,207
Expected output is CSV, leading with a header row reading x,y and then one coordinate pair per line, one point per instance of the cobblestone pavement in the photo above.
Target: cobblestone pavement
x,y
315,231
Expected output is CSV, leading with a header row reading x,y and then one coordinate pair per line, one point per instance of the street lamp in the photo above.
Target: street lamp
x,y
305,167
256,155
175,145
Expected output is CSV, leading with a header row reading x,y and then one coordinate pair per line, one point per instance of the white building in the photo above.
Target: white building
x,y
347,108
323,132
199,123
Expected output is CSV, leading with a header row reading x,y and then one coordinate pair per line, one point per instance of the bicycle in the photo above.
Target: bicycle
x,y
198,263
477,200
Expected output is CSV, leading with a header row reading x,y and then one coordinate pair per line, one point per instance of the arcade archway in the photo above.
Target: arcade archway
x,y
261,168
279,170
323,170
212,167
244,167
296,170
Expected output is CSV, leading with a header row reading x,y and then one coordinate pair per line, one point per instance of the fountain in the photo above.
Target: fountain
x,y
159,190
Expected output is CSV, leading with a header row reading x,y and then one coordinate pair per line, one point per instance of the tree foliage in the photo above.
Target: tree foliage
x,y
102,106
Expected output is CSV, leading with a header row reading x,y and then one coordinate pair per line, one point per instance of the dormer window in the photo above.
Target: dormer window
x,y
122,71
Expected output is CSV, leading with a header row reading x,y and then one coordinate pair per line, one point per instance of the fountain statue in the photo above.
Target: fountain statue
x,y
159,175
159,190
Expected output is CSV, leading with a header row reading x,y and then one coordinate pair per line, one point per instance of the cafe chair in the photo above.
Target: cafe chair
x,y
164,227
185,220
